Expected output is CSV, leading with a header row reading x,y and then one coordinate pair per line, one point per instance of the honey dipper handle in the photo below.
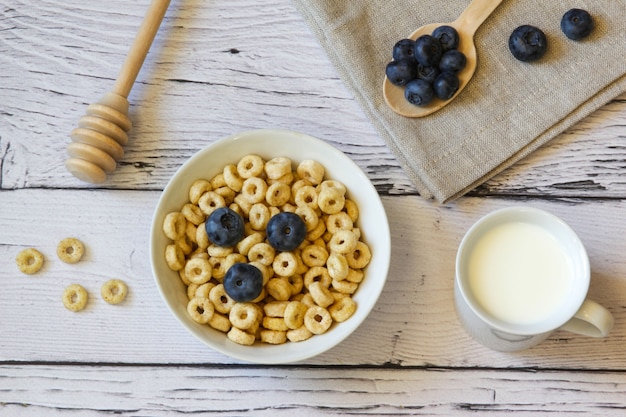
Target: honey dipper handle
x,y
139,48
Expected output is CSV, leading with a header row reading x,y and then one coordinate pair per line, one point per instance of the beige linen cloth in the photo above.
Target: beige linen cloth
x,y
508,109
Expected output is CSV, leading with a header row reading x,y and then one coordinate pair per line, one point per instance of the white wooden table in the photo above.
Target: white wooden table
x,y
216,68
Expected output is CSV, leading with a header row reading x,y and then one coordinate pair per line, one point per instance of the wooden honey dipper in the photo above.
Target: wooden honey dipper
x,y
97,142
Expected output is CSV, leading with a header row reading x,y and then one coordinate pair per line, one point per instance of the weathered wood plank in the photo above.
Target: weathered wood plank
x,y
413,324
53,390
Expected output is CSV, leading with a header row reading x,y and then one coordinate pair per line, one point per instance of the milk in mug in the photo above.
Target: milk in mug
x,y
520,273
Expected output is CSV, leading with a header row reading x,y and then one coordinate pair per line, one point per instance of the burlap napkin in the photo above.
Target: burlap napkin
x,y
509,108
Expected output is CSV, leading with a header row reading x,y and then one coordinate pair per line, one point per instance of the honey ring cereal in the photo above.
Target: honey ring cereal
x,y
277,167
306,196
275,308
311,171
174,225
273,337
202,238
220,322
193,214
198,270
244,245
198,188
308,216
254,190
70,250
174,257
339,221
297,283
204,290
250,166
321,295
351,209
337,266
279,289
211,201
294,314
200,310
343,241
344,286
342,309
274,323
240,337
75,297
278,194
300,334
317,319
314,255
359,257
263,253
221,301
330,200
114,291
285,264
232,178
243,315
29,261
317,273
259,216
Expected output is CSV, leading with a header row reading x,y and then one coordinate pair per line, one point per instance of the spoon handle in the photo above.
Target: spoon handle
x,y
475,14
139,49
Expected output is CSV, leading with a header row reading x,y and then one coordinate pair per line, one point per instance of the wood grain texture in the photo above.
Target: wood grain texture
x,y
217,68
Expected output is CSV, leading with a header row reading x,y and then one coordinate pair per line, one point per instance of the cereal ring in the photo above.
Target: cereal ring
x,y
75,297
220,322
190,232
250,166
203,290
309,216
278,194
298,335
244,245
210,201
227,193
314,255
339,221
259,216
359,257
306,196
200,310
266,271
317,320
277,167
337,266
202,238
218,181
294,314
191,291
183,277
219,251
297,283
232,178
285,179
262,252
317,232
295,187
253,190
218,269
317,273
114,291
29,261
285,264
330,200
193,214
355,275
243,204
198,188
240,337
275,308
174,225
321,295
185,244
174,257
344,286
243,315
221,301
343,309
343,241
279,289
352,210
198,270
70,250
233,259
273,337
334,185
311,171
275,323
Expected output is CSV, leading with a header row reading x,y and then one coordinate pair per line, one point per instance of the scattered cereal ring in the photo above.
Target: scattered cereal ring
x,y
243,315
174,225
294,314
75,297
114,291
250,166
29,261
273,337
70,250
317,319
200,310
240,337
342,309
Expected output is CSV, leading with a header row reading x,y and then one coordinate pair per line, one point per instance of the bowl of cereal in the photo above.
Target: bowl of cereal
x,y
270,246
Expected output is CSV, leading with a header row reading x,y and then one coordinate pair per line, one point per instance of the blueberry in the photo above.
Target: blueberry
x,y
453,61
427,73
427,50
419,92
445,85
285,231
576,24
224,227
243,282
447,36
403,49
401,72
527,43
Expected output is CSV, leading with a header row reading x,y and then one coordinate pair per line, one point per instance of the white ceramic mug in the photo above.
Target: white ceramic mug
x,y
522,273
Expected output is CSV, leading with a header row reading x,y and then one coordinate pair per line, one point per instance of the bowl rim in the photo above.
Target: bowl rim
x,y
290,351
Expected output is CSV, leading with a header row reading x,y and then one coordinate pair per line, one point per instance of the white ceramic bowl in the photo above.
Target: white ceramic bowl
x,y
269,144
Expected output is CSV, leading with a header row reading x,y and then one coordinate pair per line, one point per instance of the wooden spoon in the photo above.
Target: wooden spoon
x,y
97,142
466,25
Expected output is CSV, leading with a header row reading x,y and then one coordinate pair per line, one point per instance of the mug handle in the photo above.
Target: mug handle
x,y
591,320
